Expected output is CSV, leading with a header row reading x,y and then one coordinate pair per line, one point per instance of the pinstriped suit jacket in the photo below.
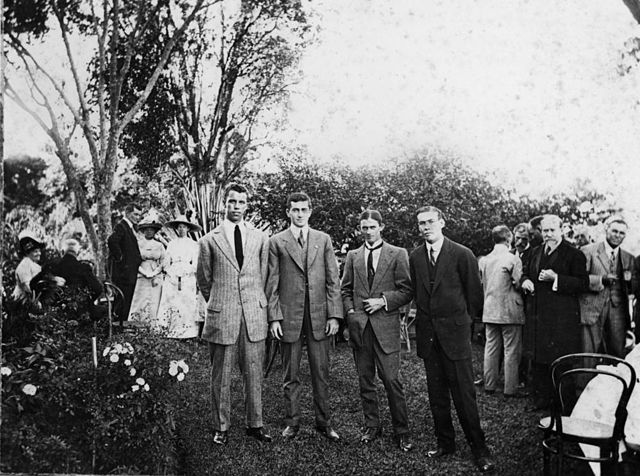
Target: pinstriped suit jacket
x,y
231,293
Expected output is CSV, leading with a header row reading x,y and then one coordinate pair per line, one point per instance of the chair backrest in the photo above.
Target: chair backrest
x,y
579,369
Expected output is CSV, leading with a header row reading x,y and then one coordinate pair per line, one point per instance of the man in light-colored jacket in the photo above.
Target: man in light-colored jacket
x,y
503,313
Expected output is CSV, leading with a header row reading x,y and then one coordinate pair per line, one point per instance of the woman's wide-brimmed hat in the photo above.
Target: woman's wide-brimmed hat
x,y
183,220
29,241
149,222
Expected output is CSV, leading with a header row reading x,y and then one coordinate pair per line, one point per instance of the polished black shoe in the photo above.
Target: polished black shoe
x,y
485,464
328,432
488,391
403,442
290,432
518,394
220,438
259,434
370,433
479,382
440,452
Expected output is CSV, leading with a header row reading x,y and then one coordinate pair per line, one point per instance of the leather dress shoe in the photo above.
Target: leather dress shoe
x,y
259,434
517,394
439,452
220,438
403,442
328,432
485,463
370,433
290,431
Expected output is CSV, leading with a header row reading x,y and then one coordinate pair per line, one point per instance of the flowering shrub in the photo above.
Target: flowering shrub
x,y
62,414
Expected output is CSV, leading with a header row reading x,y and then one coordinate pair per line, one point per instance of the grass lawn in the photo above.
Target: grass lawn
x,y
510,429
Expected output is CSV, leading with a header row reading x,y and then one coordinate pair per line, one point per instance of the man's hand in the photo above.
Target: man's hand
x,y
332,327
373,304
528,287
609,280
276,330
547,275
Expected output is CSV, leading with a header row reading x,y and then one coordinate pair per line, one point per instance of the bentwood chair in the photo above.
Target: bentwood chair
x,y
565,429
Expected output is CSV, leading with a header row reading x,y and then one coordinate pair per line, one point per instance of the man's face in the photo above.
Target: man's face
x,y
299,213
134,215
616,233
521,240
551,231
236,205
430,226
371,230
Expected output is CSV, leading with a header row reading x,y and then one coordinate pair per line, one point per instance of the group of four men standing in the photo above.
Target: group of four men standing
x,y
291,281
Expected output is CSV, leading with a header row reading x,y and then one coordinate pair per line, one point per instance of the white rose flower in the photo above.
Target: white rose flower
x,y
29,389
114,358
135,388
146,387
118,348
180,377
5,371
127,362
132,371
140,381
183,365
106,351
173,368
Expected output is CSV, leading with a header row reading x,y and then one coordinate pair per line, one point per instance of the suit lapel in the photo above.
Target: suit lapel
x,y
293,248
602,256
361,266
423,268
220,239
313,244
383,265
444,259
251,244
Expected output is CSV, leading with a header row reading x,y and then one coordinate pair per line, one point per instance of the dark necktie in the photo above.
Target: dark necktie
x,y
301,239
371,271
432,256
612,263
237,239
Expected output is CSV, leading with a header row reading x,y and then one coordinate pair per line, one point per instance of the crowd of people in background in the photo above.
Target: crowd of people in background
x,y
539,297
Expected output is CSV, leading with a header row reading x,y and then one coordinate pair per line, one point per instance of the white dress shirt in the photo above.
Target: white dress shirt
x,y
296,232
376,253
229,230
436,247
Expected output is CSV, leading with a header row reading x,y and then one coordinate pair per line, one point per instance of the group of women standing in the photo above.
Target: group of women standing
x,y
166,297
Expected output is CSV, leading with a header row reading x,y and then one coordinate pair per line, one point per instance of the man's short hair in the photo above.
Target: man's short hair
x,y
501,234
71,246
235,187
555,218
615,219
535,221
298,197
521,228
371,214
132,206
431,209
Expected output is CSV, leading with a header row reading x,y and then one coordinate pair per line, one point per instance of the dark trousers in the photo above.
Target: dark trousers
x,y
543,390
453,379
318,353
368,357
127,289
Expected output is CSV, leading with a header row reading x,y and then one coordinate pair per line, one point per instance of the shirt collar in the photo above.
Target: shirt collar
x,y
501,248
552,248
437,246
128,222
609,249
296,230
229,225
379,242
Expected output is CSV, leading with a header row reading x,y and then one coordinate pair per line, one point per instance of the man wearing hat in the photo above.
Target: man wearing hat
x,y
124,256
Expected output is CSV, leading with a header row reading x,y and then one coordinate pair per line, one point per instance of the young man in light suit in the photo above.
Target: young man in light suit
x,y
375,284
231,274
304,302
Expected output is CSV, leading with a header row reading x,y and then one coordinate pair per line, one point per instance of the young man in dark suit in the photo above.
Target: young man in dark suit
x,y
447,292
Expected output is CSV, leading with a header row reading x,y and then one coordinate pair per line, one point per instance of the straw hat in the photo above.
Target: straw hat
x,y
149,222
29,242
183,220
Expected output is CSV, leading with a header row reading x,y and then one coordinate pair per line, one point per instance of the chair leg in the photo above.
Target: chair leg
x,y
609,468
546,461
560,457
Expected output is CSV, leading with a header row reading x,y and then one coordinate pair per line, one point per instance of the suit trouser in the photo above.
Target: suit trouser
x,y
499,337
609,332
250,357
318,353
368,357
127,292
453,379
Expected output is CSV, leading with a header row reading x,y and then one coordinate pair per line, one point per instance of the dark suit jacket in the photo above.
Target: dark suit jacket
x,y
391,280
554,316
77,274
445,311
124,254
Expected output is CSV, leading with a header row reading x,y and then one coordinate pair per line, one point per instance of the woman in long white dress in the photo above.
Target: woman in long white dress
x,y
146,297
178,306
31,251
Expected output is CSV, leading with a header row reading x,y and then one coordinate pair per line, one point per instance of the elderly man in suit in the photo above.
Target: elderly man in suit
x,y
554,276
231,274
447,291
304,303
124,255
375,284
604,309
503,313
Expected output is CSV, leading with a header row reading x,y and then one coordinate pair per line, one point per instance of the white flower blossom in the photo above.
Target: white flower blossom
x,y
132,371
127,362
146,387
114,358
29,389
129,347
118,348
106,351
183,365
180,377
5,371
173,368
140,381
135,388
